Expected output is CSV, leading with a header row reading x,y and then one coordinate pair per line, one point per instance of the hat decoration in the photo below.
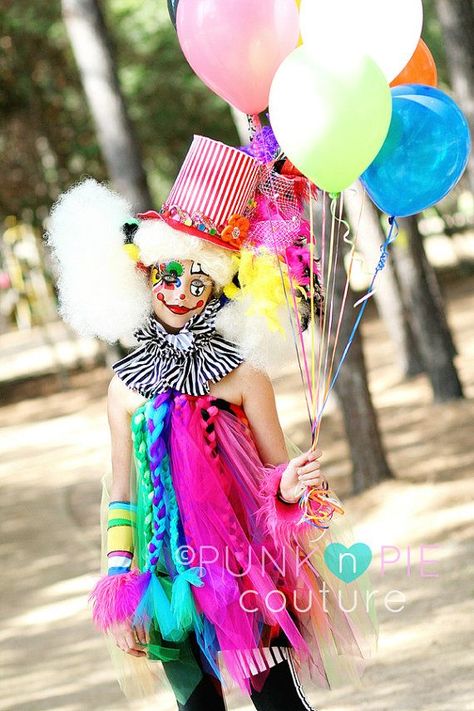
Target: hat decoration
x,y
212,196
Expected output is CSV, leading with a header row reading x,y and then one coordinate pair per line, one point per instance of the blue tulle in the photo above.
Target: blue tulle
x,y
183,607
207,640
156,606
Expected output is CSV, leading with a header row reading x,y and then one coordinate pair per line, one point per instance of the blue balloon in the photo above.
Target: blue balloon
x,y
424,155
172,10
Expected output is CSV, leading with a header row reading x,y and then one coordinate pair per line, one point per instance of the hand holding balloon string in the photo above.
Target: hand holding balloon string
x,y
303,471
303,482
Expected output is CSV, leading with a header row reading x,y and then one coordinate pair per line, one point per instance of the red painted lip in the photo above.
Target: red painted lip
x,y
177,309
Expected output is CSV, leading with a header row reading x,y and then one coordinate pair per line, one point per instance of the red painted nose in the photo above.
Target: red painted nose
x,y
182,296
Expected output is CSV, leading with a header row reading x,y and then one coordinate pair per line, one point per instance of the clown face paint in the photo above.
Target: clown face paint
x,y
180,289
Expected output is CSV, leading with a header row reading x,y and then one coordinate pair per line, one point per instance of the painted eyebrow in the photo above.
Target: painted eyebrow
x,y
197,269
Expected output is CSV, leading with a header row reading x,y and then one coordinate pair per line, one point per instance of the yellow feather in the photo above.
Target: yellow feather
x,y
261,284
132,251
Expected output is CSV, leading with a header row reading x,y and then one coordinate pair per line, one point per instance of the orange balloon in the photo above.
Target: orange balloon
x,y
421,69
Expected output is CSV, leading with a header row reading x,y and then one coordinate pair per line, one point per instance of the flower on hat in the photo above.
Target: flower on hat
x,y
236,230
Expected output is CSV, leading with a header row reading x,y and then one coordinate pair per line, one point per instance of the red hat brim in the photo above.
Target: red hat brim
x,y
190,230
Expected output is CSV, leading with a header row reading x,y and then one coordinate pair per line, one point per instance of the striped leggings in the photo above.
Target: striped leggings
x,y
281,691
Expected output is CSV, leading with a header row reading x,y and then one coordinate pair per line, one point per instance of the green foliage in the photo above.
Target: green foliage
x,y
432,34
166,100
47,138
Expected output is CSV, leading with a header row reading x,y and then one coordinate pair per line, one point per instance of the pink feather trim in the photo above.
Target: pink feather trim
x,y
280,519
116,597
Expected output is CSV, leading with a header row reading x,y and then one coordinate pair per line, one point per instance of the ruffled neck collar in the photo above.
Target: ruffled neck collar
x,y
185,361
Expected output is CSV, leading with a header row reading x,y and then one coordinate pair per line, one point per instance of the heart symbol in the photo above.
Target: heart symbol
x,y
347,564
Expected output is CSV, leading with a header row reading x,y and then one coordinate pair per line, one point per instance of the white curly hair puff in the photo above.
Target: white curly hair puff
x,y
101,291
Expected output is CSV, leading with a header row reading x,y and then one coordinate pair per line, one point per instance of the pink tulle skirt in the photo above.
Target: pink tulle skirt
x,y
265,574
267,591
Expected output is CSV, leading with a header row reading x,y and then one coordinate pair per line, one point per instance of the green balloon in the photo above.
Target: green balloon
x,y
330,114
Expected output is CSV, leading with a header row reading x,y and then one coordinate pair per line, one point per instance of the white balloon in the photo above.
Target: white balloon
x,y
386,30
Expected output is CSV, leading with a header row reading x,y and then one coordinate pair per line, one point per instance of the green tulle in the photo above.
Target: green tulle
x,y
179,663
183,675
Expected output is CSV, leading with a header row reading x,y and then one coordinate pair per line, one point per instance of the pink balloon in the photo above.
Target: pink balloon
x,y
236,46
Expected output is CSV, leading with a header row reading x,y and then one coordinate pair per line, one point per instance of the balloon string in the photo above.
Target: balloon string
x,y
353,243
322,335
346,234
322,310
327,322
295,342
300,334
303,351
392,235
335,248
311,303
328,370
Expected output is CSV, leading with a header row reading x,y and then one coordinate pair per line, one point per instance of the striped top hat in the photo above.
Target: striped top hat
x,y
213,194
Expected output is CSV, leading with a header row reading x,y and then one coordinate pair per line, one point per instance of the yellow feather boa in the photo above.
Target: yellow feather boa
x,y
263,284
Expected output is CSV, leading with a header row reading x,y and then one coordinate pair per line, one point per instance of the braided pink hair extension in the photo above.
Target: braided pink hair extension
x,y
209,413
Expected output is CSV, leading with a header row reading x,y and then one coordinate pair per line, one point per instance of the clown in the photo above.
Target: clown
x,y
202,510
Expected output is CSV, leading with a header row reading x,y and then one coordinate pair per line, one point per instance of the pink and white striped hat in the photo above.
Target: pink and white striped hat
x,y
213,194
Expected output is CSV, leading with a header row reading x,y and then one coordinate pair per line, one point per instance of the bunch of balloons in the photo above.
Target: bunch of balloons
x,y
350,87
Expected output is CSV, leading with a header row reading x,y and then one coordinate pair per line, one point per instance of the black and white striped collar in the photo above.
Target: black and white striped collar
x,y
189,336
186,361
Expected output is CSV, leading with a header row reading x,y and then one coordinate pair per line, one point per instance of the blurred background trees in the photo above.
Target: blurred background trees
x,y
47,134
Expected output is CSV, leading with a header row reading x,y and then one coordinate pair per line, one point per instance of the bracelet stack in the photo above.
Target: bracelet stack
x,y
121,521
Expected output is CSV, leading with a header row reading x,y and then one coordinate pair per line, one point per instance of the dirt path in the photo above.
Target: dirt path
x,y
54,450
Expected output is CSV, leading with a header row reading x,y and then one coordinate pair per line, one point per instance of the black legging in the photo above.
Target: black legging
x,y
278,693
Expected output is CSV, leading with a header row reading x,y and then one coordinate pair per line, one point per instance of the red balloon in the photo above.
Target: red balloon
x,y
421,69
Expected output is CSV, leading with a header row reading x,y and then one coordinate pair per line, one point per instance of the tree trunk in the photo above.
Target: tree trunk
x,y
457,22
439,308
387,293
430,329
241,125
87,31
369,463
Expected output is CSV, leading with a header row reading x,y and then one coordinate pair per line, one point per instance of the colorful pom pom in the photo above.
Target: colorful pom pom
x,y
115,598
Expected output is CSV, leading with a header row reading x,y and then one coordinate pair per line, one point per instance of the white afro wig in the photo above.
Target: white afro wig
x,y
101,292
158,242
261,346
